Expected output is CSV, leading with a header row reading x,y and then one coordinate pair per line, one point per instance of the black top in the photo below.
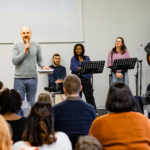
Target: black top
x,y
74,116
18,127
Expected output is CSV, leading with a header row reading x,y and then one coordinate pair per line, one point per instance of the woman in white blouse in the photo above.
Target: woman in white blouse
x,y
39,132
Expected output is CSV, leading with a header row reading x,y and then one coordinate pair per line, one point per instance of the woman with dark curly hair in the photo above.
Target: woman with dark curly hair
x,y
39,130
10,104
118,52
75,67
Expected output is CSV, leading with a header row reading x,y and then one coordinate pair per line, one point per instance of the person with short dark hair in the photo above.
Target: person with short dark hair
x,y
75,67
39,131
120,99
10,104
123,128
88,143
1,85
73,116
58,74
147,48
118,52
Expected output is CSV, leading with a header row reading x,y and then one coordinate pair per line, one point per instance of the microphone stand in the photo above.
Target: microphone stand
x,y
140,61
137,77
110,75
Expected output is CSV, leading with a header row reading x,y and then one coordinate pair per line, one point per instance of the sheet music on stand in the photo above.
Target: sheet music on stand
x,y
124,64
91,67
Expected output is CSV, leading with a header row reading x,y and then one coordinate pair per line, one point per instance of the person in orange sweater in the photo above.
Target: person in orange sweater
x,y
123,128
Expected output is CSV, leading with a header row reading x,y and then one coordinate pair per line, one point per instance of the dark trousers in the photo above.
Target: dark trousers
x,y
88,91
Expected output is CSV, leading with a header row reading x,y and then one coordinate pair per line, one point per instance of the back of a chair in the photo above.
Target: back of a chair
x,y
74,139
49,89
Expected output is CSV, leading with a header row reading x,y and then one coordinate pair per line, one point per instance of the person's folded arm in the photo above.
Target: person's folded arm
x,y
88,58
74,65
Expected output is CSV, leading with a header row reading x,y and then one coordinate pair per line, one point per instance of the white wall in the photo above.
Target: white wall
x,y
103,21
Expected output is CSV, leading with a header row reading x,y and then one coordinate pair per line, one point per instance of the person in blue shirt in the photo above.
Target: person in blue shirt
x,y
73,116
58,74
75,67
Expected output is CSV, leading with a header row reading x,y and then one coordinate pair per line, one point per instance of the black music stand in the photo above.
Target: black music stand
x,y
124,65
92,67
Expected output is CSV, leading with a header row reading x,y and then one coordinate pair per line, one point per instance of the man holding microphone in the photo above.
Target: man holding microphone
x,y
25,55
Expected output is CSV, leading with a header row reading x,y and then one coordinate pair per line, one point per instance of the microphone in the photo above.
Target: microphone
x,y
28,48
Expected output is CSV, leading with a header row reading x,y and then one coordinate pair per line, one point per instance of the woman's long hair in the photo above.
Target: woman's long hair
x,y
82,53
123,47
5,136
40,125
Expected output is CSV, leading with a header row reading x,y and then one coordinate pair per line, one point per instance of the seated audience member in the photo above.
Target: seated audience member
x,y
39,130
88,143
73,116
45,97
123,128
10,103
21,112
5,136
1,85
59,72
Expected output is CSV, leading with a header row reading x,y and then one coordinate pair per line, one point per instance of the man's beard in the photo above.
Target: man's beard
x,y
26,40
56,64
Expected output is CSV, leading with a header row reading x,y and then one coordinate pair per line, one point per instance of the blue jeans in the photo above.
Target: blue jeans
x,y
115,79
26,86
